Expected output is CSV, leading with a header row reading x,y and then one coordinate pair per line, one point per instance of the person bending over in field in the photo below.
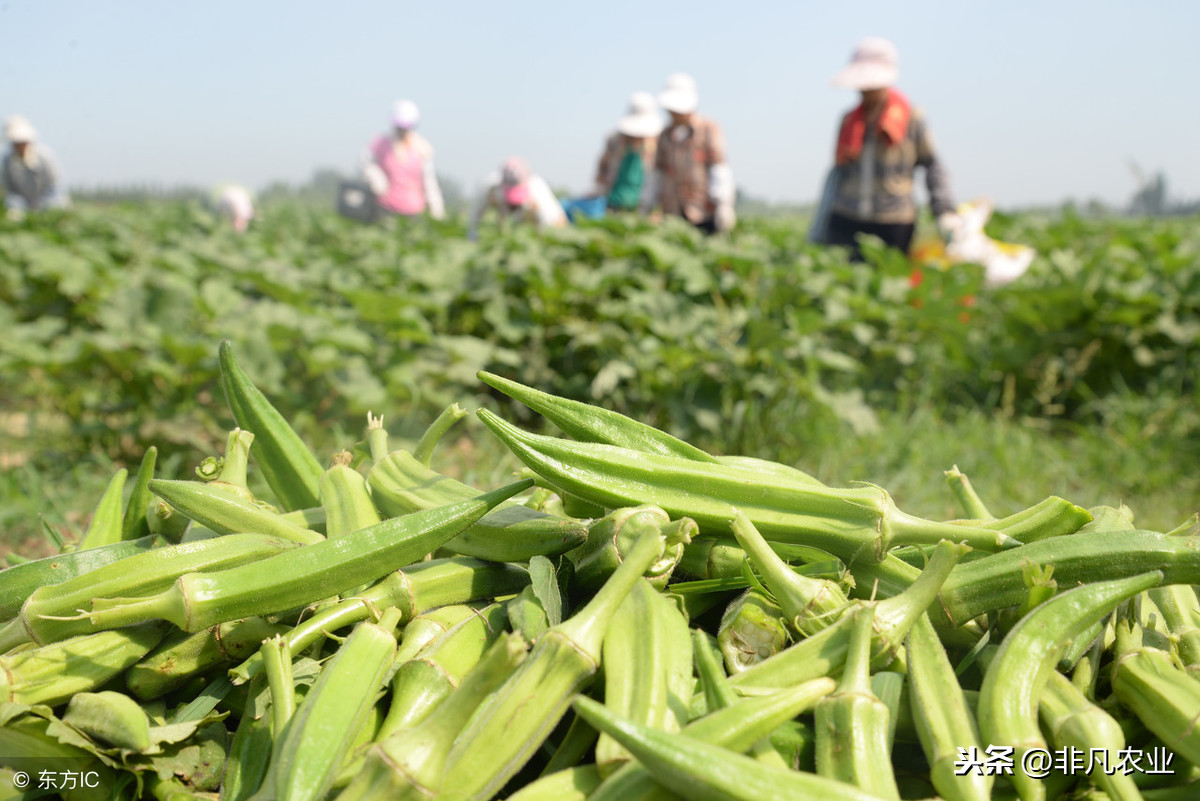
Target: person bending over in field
x,y
31,177
691,178
517,195
235,204
880,143
628,157
399,168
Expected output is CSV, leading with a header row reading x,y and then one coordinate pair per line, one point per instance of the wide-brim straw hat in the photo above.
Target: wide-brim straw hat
x,y
18,129
642,120
874,64
680,94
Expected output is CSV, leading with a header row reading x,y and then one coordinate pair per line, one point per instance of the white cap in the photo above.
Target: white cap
x,y
18,129
873,65
679,95
405,114
642,120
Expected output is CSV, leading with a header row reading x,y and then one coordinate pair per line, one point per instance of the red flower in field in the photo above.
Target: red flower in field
x,y
968,301
916,277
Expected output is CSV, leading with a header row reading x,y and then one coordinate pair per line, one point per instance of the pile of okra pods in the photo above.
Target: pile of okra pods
x,y
639,619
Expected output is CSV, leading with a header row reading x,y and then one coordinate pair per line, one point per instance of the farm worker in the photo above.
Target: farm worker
x,y
628,157
691,178
31,177
399,167
518,195
880,143
235,204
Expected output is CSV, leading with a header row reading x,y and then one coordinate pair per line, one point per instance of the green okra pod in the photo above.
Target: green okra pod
x,y
513,532
808,604
110,717
852,723
345,498
857,523
227,512
568,784
1180,609
647,659
943,719
825,652
290,468
1015,678
49,613
17,583
410,763
593,424
422,629
1072,721
133,521
312,572
317,739
423,682
997,581
712,558
703,772
250,749
1162,696
51,674
182,656
425,586
515,721
614,535
751,630
105,527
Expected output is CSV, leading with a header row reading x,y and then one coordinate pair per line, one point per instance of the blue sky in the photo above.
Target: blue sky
x,y
1030,102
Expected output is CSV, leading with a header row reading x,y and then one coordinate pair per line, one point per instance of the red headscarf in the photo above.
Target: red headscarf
x,y
892,126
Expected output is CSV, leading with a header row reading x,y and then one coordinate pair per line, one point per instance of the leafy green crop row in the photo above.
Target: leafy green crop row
x,y
110,313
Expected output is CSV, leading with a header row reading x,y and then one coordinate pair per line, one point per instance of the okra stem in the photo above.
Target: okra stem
x,y
277,661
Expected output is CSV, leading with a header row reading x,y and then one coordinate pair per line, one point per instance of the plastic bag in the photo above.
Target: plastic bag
x,y
1002,262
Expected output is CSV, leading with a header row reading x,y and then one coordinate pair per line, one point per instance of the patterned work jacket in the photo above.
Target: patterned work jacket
x,y
683,166
878,185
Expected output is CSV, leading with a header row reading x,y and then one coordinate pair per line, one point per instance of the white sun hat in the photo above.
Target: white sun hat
x,y
873,65
642,120
680,94
405,114
18,129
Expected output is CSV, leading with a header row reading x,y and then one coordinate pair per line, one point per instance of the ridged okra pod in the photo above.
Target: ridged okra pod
x,y
857,523
133,522
699,771
290,468
419,587
17,583
647,659
1180,609
49,613
53,673
227,512
181,656
425,681
421,630
569,784
809,604
996,581
105,526
318,737
752,629
345,498
410,763
305,575
593,424
1015,678
825,652
852,724
1162,696
515,721
943,719
738,728
400,483
1072,721
615,534
250,749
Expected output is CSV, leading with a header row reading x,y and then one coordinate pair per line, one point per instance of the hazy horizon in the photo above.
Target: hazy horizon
x,y
1030,104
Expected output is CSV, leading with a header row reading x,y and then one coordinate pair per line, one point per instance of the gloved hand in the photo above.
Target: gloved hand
x,y
725,217
949,226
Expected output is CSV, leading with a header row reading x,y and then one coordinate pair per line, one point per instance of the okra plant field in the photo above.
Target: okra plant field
x,y
614,512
